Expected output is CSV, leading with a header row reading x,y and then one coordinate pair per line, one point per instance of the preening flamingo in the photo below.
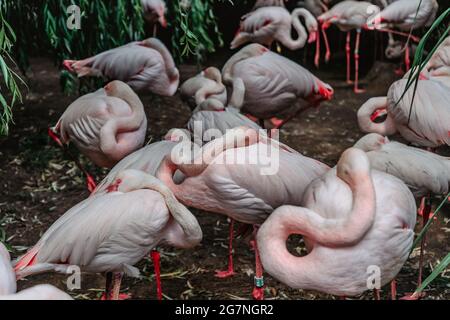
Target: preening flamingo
x,y
106,125
266,84
422,171
348,15
426,123
355,221
227,177
268,24
207,84
211,119
112,232
143,65
8,284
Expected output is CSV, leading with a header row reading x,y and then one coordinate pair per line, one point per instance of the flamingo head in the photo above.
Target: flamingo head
x,y
353,166
116,88
378,114
211,104
177,135
162,17
321,92
129,180
312,36
212,73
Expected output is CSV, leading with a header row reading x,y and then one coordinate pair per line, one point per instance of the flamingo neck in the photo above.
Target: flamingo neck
x,y
366,117
301,31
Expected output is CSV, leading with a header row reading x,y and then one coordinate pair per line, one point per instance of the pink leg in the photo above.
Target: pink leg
x,y
258,289
112,289
376,294
426,217
358,39
407,59
394,290
230,271
317,56
156,258
347,51
327,44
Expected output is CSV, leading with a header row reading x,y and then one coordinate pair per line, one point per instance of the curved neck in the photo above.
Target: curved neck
x,y
238,95
171,68
365,113
300,42
209,89
186,220
116,125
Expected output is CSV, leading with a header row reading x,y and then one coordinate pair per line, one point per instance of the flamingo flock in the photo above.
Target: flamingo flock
x,y
354,216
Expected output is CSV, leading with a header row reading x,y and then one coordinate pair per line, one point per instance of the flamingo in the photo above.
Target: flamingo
x,y
106,125
144,65
347,16
266,84
207,84
212,119
227,177
406,15
268,3
426,123
268,24
8,284
112,232
355,220
154,11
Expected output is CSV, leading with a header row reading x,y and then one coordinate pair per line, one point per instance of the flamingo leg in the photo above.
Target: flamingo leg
x,y
376,294
317,56
112,288
90,181
426,216
407,58
155,29
230,272
156,258
358,40
394,290
327,44
347,51
258,289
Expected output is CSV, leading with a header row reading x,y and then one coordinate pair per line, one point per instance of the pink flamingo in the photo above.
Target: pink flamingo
x,y
105,126
354,220
220,180
426,123
143,65
205,85
424,172
266,84
269,24
348,15
406,15
8,284
111,232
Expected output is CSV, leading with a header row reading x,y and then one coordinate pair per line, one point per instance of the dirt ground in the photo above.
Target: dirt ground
x,y
39,184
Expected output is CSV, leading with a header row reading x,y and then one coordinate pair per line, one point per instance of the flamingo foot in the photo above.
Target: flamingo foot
x,y
359,90
258,293
277,123
91,185
225,274
122,296
413,296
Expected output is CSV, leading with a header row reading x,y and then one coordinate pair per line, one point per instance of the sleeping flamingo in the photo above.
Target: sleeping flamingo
x,y
211,119
154,12
354,220
8,284
228,177
207,84
266,84
348,15
269,24
143,65
106,125
112,232
426,124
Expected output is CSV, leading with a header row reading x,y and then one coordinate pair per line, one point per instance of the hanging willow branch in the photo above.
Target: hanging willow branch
x,y
9,89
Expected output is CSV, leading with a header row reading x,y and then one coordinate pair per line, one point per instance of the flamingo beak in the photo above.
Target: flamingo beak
x,y
325,91
312,37
114,187
377,114
68,65
162,20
